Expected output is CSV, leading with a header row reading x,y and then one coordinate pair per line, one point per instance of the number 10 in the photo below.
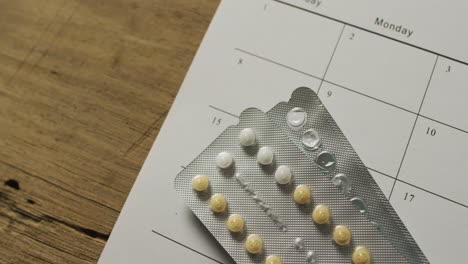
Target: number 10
x,y
431,131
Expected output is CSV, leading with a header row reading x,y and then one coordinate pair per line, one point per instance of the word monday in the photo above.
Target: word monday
x,y
396,28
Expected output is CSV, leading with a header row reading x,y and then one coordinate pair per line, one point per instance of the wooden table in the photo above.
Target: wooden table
x,y
84,87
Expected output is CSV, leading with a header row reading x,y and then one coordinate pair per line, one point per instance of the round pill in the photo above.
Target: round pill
x,y
254,244
247,137
273,260
218,203
224,160
302,194
321,214
265,156
342,235
200,183
235,223
283,175
361,256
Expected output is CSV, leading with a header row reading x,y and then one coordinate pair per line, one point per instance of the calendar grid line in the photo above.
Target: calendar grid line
x,y
223,111
382,173
371,97
414,126
418,187
445,124
318,78
331,59
381,101
433,193
276,63
185,246
428,84
348,89
372,32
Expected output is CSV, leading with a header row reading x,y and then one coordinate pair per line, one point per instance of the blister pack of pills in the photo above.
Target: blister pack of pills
x,y
307,123
266,202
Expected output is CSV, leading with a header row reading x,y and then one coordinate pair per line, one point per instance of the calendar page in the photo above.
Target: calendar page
x,y
393,74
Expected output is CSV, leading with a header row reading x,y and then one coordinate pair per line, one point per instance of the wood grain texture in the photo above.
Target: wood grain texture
x,y
84,88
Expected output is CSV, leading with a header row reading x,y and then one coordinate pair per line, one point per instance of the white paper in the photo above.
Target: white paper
x,y
398,95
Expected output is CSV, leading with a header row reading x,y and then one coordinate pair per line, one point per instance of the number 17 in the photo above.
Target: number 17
x,y
409,197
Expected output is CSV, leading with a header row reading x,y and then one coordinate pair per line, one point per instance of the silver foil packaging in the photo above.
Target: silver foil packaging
x,y
265,201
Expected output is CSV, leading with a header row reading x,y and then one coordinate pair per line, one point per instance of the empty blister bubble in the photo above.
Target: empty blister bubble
x,y
359,204
296,118
247,137
283,175
311,139
224,160
326,161
342,182
377,225
311,257
265,156
299,243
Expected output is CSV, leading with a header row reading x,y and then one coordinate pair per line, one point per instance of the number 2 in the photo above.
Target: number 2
x,y
351,36
449,69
